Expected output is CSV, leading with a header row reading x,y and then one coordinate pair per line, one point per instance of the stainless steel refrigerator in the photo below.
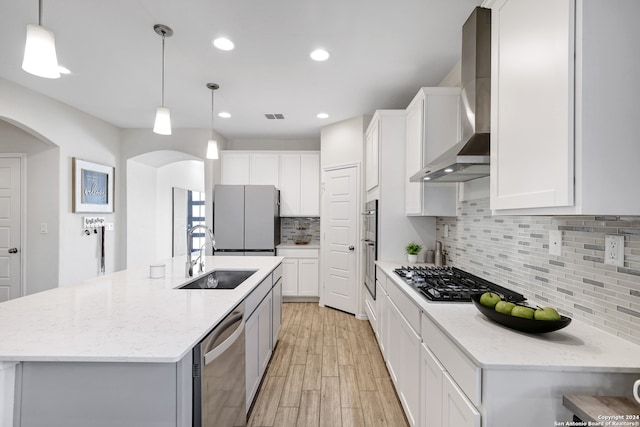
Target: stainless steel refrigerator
x,y
246,219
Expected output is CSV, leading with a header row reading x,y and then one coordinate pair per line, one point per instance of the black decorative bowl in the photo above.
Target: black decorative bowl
x,y
518,323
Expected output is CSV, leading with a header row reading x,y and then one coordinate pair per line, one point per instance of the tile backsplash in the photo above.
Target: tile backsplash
x,y
513,251
288,229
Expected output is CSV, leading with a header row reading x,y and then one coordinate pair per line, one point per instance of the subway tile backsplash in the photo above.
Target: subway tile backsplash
x,y
513,251
288,229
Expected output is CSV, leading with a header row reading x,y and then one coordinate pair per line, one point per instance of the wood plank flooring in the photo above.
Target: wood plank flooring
x,y
327,370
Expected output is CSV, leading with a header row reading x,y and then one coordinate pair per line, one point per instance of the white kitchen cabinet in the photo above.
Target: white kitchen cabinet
x,y
249,168
310,184
457,410
371,154
404,361
234,168
300,277
433,126
370,309
563,139
258,340
300,184
382,308
264,169
431,374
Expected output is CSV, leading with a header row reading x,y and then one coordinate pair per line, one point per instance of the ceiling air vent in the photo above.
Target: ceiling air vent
x,y
274,116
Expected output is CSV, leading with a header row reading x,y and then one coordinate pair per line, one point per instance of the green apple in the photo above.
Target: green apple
x,y
504,307
489,299
546,313
522,311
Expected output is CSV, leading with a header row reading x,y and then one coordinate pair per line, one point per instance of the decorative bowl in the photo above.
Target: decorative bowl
x,y
302,239
519,324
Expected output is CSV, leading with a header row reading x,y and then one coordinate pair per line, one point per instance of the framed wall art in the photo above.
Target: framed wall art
x,y
92,186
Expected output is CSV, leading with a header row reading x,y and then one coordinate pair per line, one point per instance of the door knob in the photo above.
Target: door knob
x,y
13,251
351,247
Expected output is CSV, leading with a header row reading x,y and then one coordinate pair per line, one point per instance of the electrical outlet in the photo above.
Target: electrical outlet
x,y
446,230
109,226
555,242
614,250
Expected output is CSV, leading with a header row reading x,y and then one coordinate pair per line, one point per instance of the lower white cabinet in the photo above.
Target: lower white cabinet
x,y
382,311
300,277
258,340
403,362
457,410
431,373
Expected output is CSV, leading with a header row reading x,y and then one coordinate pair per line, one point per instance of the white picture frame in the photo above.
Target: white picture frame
x,y
92,185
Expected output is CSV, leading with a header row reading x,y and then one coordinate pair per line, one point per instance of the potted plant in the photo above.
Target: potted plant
x,y
413,249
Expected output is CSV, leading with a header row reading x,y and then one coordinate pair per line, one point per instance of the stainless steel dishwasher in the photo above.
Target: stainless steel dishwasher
x,y
219,384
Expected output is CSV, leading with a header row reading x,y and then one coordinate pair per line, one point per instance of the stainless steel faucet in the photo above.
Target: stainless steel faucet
x,y
189,264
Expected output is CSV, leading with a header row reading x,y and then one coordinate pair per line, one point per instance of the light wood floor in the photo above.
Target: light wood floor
x,y
327,370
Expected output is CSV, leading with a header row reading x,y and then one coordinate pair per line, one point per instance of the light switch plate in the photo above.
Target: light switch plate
x,y
555,242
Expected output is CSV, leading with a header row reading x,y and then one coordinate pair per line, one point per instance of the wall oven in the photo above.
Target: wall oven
x,y
370,216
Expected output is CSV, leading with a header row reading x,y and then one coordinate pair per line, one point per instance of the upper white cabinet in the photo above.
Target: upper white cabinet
x,y
235,168
300,184
372,154
264,169
249,168
433,126
564,95
295,174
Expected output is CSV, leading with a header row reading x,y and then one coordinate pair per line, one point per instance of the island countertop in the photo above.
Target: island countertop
x,y
123,317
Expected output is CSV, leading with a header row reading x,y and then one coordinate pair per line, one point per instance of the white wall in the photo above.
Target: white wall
x,y
274,144
141,214
342,142
41,250
77,134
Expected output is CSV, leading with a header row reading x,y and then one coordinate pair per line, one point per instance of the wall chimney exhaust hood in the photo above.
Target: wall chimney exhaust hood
x,y
469,158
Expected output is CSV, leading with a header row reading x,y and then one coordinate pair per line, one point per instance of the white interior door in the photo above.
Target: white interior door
x,y
341,208
10,251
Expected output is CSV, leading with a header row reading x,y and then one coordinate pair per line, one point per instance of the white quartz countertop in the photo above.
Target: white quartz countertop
x,y
123,317
579,346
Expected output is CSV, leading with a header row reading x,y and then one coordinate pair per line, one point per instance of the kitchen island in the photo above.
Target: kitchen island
x,y
118,326
475,372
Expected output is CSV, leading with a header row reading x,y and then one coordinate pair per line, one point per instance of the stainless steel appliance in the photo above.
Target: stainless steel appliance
x,y
469,159
246,219
450,284
219,378
370,241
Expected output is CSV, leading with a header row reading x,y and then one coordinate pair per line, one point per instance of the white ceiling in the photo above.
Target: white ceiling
x,y
382,51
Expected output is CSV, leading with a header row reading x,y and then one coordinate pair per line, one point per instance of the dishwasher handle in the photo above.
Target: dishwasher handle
x,y
211,354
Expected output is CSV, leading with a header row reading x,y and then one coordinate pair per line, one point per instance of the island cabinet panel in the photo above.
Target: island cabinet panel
x,y
80,394
457,410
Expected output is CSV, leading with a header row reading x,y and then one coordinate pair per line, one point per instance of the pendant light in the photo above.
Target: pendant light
x,y
162,124
40,57
212,146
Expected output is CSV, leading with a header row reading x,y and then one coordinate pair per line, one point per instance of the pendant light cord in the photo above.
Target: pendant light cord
x,y
212,91
40,13
162,67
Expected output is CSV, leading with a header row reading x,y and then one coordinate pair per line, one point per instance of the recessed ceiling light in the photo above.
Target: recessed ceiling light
x,y
224,114
63,70
223,43
426,178
322,116
448,170
319,55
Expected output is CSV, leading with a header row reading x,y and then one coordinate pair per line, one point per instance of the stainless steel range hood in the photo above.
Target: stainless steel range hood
x,y
469,158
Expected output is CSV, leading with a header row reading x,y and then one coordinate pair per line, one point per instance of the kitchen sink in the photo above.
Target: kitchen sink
x,y
219,279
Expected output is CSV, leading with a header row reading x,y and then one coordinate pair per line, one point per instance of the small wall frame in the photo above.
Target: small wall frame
x,y
93,188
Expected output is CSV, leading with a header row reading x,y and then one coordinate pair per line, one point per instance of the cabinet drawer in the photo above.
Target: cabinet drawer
x,y
253,299
407,308
461,369
299,253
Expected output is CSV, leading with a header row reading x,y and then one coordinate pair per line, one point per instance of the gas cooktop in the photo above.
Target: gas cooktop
x,y
450,284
